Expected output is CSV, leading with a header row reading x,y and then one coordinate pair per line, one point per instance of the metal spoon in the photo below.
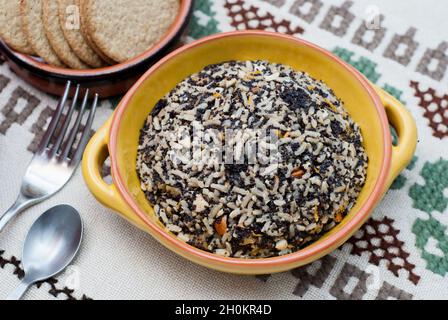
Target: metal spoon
x,y
50,246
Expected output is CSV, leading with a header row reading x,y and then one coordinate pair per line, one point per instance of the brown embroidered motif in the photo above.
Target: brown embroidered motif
x,y
343,14
379,239
13,262
440,56
12,116
54,290
38,128
249,17
4,81
389,291
401,41
307,278
277,3
436,109
363,32
310,14
348,272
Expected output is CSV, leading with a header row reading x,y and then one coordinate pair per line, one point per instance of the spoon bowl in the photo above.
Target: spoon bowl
x,y
50,246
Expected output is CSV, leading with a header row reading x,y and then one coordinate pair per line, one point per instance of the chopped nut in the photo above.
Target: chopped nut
x,y
316,214
221,226
331,105
281,245
173,191
298,173
338,217
200,203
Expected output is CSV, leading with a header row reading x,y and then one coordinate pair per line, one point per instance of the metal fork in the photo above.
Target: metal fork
x,y
54,163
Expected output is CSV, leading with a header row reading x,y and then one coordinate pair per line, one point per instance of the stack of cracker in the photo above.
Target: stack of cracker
x,y
85,34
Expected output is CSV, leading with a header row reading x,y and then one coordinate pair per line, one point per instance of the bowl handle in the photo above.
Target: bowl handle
x,y
406,128
94,156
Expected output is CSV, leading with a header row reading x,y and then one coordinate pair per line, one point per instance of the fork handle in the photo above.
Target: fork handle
x,y
21,204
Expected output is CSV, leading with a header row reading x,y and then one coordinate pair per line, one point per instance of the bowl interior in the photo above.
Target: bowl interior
x,y
250,46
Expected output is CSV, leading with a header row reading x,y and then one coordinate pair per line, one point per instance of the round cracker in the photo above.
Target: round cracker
x,y
124,29
68,9
56,37
11,30
81,5
31,14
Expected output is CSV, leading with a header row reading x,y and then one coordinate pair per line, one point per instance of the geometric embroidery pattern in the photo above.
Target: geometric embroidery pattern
x,y
365,66
203,22
436,109
247,17
348,272
277,3
396,93
425,231
3,82
368,68
400,182
439,55
311,13
379,239
52,282
308,278
430,197
377,35
12,116
338,19
395,52
389,291
38,128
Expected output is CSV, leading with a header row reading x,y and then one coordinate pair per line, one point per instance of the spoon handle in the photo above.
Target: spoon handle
x,y
19,291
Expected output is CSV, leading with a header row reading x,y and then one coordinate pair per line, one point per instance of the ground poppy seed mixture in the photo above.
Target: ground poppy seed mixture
x,y
251,159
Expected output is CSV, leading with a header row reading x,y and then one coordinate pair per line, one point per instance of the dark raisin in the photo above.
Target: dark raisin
x,y
158,107
296,98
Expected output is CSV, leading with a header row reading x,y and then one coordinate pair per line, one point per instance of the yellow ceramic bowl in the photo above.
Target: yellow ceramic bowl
x,y
369,106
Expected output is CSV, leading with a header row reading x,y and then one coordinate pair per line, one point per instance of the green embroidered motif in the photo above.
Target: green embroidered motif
x,y
364,65
203,22
396,93
368,68
430,197
400,182
432,229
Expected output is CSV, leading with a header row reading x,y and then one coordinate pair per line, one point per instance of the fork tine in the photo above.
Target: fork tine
x,y
74,132
54,121
66,124
85,135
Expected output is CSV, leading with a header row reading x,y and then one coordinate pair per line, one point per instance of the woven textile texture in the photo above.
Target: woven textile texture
x,y
400,253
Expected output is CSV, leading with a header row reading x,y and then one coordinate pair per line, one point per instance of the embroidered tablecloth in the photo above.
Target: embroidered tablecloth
x,y
401,253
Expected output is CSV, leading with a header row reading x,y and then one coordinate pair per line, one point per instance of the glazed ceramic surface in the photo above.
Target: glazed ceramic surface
x,y
369,106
